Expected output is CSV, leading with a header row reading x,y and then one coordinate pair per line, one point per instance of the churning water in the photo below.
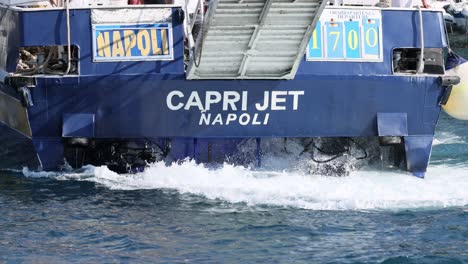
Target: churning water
x,y
444,186
191,213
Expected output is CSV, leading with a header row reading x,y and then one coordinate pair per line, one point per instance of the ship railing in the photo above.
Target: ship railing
x,y
193,21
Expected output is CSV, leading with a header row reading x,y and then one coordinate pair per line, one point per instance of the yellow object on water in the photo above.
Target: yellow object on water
x,y
457,105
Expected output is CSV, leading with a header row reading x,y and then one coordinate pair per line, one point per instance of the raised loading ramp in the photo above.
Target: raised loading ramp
x,y
254,39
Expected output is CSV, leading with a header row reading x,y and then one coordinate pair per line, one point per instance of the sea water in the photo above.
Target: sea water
x,y
281,213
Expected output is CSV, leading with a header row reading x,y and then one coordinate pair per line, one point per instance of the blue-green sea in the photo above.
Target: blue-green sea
x,y
189,213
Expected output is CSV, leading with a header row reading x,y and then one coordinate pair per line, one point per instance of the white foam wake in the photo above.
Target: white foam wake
x,y
444,186
442,138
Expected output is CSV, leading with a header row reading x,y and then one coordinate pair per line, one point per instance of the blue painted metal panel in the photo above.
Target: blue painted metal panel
x,y
16,150
78,125
135,105
418,152
130,99
400,28
371,29
50,152
392,124
49,28
353,40
329,106
316,43
334,39
349,35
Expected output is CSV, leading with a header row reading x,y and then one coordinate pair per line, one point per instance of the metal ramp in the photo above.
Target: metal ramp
x,y
253,39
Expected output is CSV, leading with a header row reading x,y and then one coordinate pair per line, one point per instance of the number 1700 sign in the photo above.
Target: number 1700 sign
x,y
347,35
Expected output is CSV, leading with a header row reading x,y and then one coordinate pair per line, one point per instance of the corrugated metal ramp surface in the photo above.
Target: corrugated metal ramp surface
x,y
254,39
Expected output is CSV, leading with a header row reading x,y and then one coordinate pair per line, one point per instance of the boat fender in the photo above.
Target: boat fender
x,y
447,82
456,103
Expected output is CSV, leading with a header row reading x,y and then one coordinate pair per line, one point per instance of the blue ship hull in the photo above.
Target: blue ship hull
x,y
206,119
